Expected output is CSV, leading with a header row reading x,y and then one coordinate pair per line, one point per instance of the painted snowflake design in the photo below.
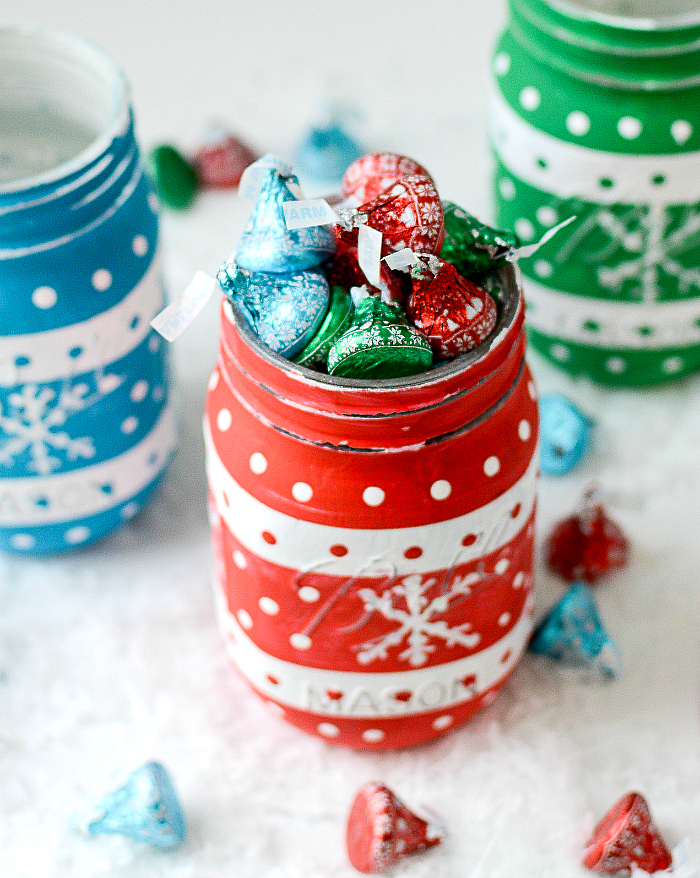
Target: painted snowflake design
x,y
408,604
35,415
640,248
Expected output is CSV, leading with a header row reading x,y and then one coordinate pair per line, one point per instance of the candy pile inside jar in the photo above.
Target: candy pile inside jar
x,y
386,283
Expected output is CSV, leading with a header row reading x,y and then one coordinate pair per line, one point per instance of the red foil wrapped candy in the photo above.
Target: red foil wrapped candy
x,y
220,162
625,839
381,830
587,545
371,174
453,312
345,272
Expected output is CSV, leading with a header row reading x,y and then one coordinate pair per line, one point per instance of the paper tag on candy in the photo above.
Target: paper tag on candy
x,y
401,259
369,253
530,249
251,179
173,320
313,212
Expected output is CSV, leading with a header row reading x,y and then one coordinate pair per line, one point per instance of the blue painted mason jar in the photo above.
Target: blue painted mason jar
x,y
86,426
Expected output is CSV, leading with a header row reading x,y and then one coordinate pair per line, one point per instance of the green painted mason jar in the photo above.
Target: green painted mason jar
x,y
595,113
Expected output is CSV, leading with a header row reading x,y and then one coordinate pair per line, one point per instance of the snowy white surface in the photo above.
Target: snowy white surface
x,y
110,656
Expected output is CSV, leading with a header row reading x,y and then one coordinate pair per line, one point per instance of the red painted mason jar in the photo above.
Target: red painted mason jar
x,y
374,541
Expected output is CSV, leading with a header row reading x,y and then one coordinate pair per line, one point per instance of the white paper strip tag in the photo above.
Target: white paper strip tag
x,y
174,319
529,249
401,259
251,179
313,212
369,252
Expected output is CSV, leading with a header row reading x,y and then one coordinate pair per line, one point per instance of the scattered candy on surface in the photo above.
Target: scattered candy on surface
x,y
381,830
221,160
174,177
626,839
285,310
268,245
454,313
470,245
146,809
337,320
379,344
374,172
564,434
326,152
587,545
573,634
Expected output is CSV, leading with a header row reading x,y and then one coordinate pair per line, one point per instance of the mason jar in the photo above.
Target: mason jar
x,y
86,428
595,113
373,541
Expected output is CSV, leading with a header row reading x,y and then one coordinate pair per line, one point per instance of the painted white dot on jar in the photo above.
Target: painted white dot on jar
x,y
629,127
239,559
560,352
302,492
328,730
671,365
300,641
275,708
578,123
524,229
532,390
440,490
530,98
524,430
507,188
501,566
518,579
309,594
257,463
492,465
443,722
681,131
372,736
504,619
22,541
546,215
129,425
213,382
373,496
269,606
129,510
44,297
139,391
224,420
153,202
102,279
543,268
245,619
140,245
501,63
615,365
77,534
158,394
154,343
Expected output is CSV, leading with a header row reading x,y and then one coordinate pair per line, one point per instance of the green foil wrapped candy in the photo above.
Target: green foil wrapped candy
x,y
379,344
470,245
337,320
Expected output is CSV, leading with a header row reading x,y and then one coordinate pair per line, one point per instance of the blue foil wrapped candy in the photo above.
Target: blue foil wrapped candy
x,y
572,633
284,310
325,153
565,434
268,245
146,809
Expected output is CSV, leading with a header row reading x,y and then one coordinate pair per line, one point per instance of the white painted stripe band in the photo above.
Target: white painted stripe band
x,y
372,694
102,339
79,493
568,170
304,546
566,316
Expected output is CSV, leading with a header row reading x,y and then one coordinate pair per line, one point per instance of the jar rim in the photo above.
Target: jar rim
x,y
582,10
58,46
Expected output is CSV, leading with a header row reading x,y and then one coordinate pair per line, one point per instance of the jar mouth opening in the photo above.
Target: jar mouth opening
x,y
507,312
63,102
639,15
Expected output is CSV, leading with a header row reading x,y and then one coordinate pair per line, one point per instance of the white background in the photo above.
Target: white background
x,y
110,656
